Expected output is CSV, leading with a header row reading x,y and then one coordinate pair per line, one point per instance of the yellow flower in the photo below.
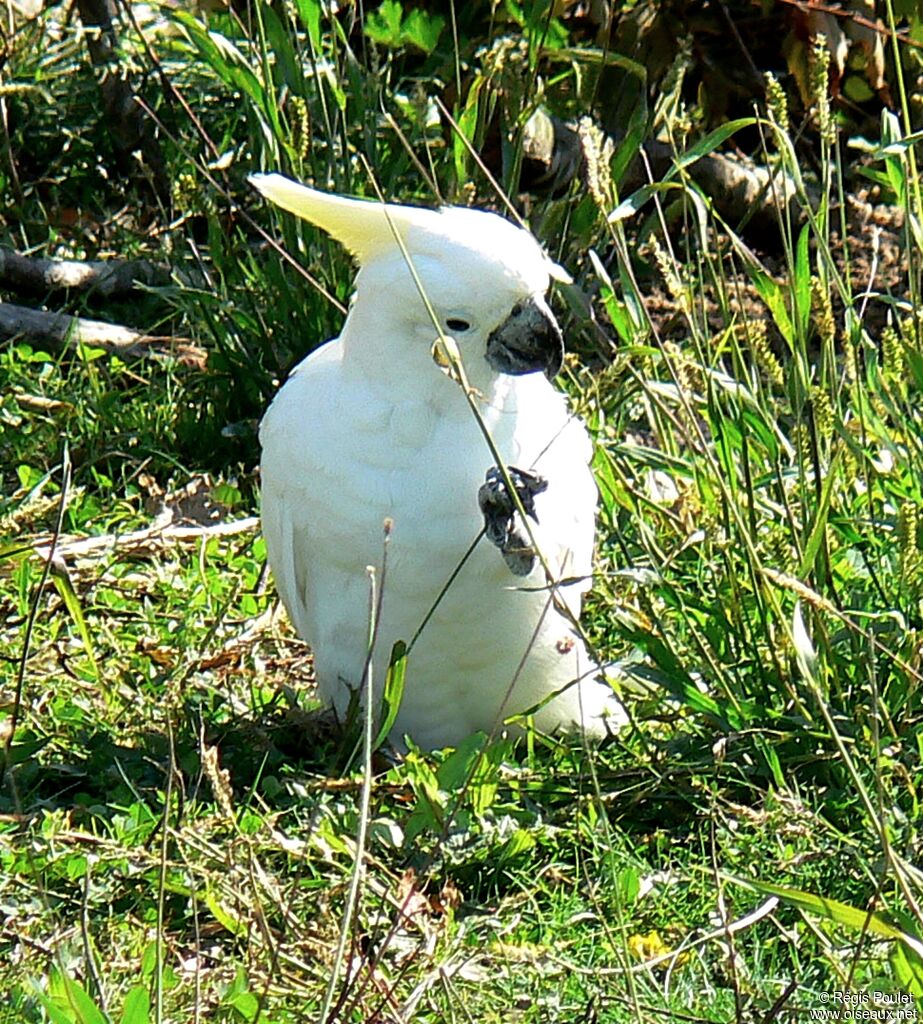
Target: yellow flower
x,y
652,947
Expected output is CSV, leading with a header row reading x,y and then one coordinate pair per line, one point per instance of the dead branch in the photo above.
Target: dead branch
x,y
106,278
60,330
739,189
813,7
147,541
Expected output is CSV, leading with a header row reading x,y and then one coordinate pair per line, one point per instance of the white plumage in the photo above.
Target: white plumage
x,y
369,427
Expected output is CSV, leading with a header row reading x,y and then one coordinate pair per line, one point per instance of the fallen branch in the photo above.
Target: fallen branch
x,y
140,542
59,330
105,278
739,189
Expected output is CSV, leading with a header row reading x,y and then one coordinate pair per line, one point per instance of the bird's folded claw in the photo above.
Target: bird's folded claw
x,y
502,523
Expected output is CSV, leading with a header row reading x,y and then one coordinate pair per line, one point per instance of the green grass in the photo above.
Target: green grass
x,y
749,844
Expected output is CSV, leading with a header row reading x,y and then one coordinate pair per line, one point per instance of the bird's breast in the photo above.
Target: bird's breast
x,y
345,454
387,433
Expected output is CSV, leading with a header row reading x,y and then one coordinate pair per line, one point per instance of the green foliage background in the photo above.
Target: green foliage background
x,y
751,842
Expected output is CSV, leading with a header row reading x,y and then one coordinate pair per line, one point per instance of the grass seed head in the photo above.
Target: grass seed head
x,y
823,311
908,533
672,276
776,102
503,53
780,553
819,80
186,193
754,335
468,194
824,416
301,126
893,355
597,152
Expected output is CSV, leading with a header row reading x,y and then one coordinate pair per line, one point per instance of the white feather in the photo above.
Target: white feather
x,y
369,428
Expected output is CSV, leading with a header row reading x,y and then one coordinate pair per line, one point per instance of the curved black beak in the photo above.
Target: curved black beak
x,y
528,340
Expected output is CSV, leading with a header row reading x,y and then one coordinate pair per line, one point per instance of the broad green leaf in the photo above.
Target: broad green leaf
x,y
618,313
713,140
422,29
520,841
77,1001
457,768
629,883
908,969
896,179
246,1004
630,206
633,139
224,58
879,177
467,122
772,763
773,294
429,812
383,24
149,960
240,997
821,514
279,38
393,692
900,146
29,476
65,588
802,289
56,1014
137,1007
676,681
224,917
309,13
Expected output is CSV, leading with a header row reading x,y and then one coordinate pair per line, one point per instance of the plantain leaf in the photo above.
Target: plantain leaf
x,y
393,692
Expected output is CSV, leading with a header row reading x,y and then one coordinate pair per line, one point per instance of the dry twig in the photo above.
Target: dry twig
x,y
60,330
151,539
104,278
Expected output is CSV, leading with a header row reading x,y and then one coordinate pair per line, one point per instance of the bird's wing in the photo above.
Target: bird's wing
x,y
556,445
326,462
292,476
280,530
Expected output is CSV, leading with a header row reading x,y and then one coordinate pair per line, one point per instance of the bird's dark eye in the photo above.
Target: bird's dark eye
x,y
456,324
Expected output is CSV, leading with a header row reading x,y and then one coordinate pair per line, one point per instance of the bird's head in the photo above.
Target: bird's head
x,y
481,278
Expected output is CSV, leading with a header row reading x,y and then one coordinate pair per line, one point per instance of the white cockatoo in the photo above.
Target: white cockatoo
x,y
372,427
